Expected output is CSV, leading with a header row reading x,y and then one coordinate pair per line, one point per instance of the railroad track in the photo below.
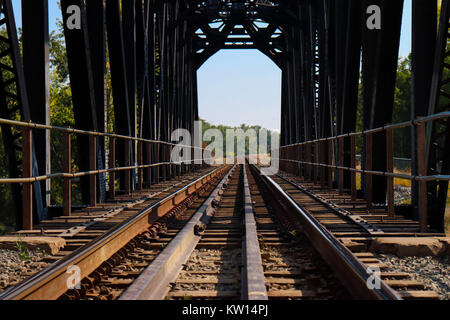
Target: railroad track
x,y
223,259
346,217
240,236
87,224
103,251
254,246
292,268
345,220
213,270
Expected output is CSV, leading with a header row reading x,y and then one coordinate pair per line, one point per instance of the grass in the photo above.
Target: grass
x,y
24,253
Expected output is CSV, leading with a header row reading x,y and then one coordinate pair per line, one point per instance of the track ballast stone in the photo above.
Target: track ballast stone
x,y
433,272
14,268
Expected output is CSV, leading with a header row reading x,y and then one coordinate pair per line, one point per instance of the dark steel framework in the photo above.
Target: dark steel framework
x,y
155,47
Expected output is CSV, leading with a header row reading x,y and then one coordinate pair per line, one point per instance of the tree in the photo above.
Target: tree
x,y
223,129
402,108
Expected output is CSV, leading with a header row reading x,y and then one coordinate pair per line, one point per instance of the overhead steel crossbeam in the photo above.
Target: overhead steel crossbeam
x,y
237,25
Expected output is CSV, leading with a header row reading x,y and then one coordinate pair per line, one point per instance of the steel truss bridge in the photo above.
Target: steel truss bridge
x,y
154,48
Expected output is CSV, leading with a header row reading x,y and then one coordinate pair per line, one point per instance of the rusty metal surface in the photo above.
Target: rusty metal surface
x,y
154,281
252,284
357,219
67,184
27,168
350,270
52,282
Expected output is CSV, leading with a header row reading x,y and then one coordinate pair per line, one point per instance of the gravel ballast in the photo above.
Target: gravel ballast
x,y
14,269
433,272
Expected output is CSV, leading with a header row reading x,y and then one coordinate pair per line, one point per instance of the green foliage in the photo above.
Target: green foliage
x,y
401,110
7,205
61,107
7,220
251,139
22,249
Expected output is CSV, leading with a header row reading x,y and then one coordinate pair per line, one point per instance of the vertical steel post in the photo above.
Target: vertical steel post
x,y
323,161
116,49
289,157
96,21
369,159
92,167
112,165
309,160
148,150
158,160
317,161
341,163
390,169
353,165
127,175
27,163
424,34
383,79
330,162
82,85
293,157
164,167
35,42
422,171
140,163
67,182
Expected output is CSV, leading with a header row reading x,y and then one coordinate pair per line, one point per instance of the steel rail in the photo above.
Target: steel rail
x,y
349,269
357,219
51,283
154,282
253,285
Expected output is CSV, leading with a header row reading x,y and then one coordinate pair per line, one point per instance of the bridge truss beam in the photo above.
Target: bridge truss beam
x,y
152,50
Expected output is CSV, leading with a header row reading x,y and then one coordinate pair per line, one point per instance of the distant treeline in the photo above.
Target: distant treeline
x,y
251,139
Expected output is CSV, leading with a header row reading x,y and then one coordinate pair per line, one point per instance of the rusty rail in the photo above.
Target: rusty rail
x,y
253,282
51,283
350,270
154,282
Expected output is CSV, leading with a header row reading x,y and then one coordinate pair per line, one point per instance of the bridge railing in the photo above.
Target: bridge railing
x,y
160,150
310,160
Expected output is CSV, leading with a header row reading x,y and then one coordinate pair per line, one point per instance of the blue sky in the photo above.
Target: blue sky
x,y
240,86
244,86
